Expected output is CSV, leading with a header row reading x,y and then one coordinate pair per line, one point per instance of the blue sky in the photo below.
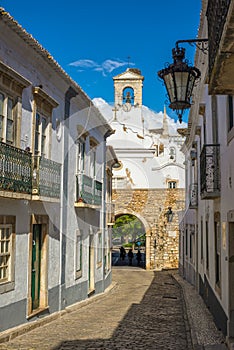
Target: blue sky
x,y
92,40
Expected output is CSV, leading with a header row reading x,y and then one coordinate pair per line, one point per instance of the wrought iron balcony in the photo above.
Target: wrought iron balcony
x,y
220,16
15,169
21,173
46,177
88,190
210,171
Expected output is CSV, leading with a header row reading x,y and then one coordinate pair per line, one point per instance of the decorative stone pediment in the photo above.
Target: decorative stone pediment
x,y
12,80
129,75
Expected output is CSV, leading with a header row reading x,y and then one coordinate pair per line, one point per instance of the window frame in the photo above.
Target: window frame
x,y
99,248
78,254
41,135
169,182
9,283
8,119
81,148
5,241
230,118
43,106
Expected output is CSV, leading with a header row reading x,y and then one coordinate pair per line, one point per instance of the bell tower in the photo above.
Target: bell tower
x,y
128,89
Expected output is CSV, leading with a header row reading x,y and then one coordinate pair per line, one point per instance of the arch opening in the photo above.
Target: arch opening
x,y
128,235
128,95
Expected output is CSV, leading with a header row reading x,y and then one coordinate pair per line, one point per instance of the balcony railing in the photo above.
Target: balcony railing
x,y
220,15
193,195
216,15
22,173
210,171
88,190
15,169
46,177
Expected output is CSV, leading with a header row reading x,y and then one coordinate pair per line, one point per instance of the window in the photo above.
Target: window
x,y
12,85
99,252
44,105
5,252
201,239
214,119
81,156
217,232
207,245
7,120
230,114
1,115
40,140
92,157
172,184
78,254
172,153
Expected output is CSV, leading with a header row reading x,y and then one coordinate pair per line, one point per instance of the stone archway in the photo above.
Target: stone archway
x,y
147,232
151,208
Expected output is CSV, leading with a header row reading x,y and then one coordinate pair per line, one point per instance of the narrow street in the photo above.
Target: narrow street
x,y
143,310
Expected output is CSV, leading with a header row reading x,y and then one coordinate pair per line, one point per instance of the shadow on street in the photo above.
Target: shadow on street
x,y
157,322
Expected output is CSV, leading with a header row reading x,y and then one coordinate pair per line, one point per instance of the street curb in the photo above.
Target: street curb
x,y
12,333
193,335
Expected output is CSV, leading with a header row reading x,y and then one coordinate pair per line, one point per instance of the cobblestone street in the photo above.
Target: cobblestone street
x,y
144,310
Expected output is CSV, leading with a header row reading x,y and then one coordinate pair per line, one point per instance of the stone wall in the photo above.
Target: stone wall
x,y
151,206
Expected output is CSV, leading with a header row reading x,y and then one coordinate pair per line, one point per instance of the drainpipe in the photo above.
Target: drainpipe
x,y
70,93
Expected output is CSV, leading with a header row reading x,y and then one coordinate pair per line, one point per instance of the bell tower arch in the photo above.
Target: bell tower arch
x,y
128,88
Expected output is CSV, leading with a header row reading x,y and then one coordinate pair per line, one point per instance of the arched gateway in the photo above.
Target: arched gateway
x,y
159,211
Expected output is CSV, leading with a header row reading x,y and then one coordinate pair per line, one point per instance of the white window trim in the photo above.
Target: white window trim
x,y
8,284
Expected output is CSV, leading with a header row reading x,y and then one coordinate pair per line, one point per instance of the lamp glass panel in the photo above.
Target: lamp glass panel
x,y
181,79
168,80
190,85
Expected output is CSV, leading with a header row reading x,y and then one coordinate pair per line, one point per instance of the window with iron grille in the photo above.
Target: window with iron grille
x,y
172,184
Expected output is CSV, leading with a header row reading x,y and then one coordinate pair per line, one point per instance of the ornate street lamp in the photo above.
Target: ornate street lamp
x,y
179,78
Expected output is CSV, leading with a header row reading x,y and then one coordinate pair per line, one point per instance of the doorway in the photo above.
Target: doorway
x,y
36,265
91,267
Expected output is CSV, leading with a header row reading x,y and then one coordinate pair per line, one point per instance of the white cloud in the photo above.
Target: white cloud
x,y
85,63
110,65
105,67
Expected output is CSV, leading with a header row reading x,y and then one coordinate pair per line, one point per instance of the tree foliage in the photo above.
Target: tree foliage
x,y
128,227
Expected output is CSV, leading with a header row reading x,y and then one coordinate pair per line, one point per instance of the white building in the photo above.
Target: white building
x,y
151,165
146,143
207,230
54,187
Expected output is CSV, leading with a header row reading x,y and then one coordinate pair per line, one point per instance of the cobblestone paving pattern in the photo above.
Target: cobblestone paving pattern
x,y
144,311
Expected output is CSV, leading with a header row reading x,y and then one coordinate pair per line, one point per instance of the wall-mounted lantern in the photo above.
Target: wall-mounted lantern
x,y
179,78
169,214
